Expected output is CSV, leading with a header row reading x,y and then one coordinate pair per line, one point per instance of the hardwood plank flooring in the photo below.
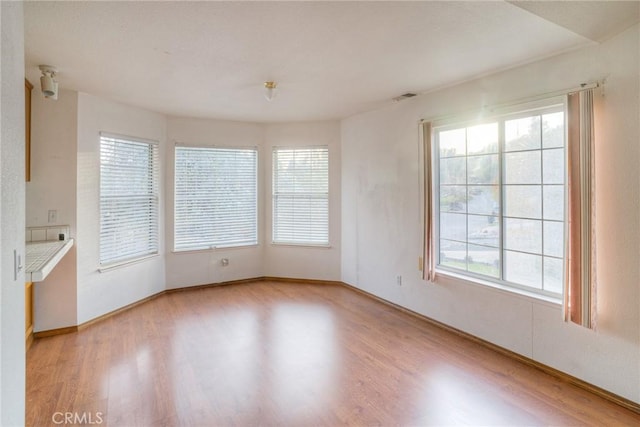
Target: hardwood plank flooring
x,y
289,354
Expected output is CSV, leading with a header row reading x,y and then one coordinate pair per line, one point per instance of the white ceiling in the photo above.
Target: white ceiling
x,y
330,59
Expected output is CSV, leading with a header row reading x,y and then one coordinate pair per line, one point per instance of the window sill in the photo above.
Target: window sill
x,y
545,299
116,265
301,245
212,249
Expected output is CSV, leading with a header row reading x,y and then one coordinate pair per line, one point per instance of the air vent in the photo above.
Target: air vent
x,y
404,96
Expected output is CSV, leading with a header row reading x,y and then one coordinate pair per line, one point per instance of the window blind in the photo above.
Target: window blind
x,y
128,199
216,197
301,195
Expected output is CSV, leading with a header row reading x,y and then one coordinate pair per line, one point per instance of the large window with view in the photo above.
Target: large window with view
x,y
300,196
128,199
216,197
500,198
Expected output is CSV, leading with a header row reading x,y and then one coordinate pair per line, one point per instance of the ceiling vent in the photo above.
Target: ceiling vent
x,y
404,96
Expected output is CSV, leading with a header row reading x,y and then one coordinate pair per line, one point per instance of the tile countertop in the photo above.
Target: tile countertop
x,y
43,256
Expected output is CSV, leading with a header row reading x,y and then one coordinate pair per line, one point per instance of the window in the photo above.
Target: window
x,y
500,198
216,197
301,195
128,199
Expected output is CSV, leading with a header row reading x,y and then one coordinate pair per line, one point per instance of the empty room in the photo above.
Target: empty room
x,y
309,213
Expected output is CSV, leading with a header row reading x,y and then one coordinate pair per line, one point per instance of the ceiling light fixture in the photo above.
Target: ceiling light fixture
x,y
47,83
269,90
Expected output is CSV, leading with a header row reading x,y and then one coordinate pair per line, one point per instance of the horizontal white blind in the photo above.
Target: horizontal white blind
x,y
128,199
301,195
216,197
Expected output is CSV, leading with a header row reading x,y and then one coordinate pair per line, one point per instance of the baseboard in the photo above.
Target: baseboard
x,y
612,397
28,341
71,329
211,285
302,281
119,310
76,328
57,331
605,394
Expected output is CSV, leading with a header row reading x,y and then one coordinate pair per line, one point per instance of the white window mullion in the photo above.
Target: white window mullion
x,y
517,245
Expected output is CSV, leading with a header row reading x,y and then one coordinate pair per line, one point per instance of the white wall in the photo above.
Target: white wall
x,y
300,261
12,210
53,186
203,267
100,293
381,235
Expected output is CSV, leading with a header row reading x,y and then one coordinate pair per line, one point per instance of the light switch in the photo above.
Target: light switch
x,y
17,264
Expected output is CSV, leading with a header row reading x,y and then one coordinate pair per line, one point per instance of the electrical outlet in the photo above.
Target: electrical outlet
x,y
224,262
399,280
53,216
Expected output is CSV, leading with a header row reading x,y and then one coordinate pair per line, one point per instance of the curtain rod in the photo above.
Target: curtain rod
x,y
579,88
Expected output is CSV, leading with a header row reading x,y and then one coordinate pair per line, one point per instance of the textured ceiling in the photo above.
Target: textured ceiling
x,y
596,20
330,59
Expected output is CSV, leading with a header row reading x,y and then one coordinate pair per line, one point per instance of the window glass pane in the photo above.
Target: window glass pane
x,y
524,201
523,269
453,226
453,171
522,134
483,260
522,168
553,238
553,202
553,166
482,139
453,198
553,275
452,143
553,130
453,254
484,230
483,169
523,235
484,200
503,217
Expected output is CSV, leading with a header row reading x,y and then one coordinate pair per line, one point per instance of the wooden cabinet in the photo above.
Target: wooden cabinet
x,y
28,309
27,128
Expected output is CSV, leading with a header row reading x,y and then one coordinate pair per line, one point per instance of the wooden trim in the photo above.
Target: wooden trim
x,y
27,129
57,331
118,310
600,392
260,279
28,340
210,285
72,329
612,397
302,281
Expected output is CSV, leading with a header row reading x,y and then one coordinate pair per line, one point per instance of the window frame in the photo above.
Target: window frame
x,y
501,115
275,194
153,195
216,245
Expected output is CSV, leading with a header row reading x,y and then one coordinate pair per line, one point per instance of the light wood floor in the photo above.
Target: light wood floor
x,y
290,355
